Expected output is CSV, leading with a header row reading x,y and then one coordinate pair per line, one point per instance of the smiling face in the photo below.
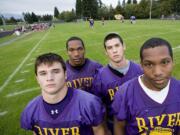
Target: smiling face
x,y
114,50
51,77
157,65
76,52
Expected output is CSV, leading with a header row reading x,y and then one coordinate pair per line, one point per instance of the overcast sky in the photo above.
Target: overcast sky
x,y
40,6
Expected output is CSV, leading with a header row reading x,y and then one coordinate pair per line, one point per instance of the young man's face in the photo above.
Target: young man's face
x,y
115,50
76,53
51,78
157,65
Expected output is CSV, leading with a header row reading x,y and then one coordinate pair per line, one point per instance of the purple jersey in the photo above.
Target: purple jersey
x,y
107,81
144,115
83,111
82,78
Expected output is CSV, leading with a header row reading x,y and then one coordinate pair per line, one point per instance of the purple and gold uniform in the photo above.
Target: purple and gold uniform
x,y
82,111
107,81
82,77
145,116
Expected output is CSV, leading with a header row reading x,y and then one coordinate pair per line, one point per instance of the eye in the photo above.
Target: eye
x,y
109,47
56,70
117,45
70,50
80,49
148,65
165,62
42,73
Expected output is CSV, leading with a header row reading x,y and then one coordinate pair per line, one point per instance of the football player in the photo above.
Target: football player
x,y
80,70
150,103
118,71
61,110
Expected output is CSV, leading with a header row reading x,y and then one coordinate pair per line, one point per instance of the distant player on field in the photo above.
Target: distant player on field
x,y
60,110
118,71
150,103
91,22
80,70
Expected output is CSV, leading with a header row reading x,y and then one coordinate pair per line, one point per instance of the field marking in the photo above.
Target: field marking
x,y
22,63
14,39
25,71
177,47
22,92
20,80
3,113
32,59
29,64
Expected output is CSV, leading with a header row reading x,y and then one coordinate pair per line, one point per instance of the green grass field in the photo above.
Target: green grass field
x,y
17,82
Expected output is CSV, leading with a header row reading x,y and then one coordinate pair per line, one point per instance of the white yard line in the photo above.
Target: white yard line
x,y
177,47
20,80
22,92
3,113
29,64
25,71
21,64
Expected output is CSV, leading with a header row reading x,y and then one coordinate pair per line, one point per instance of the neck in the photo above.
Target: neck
x,y
120,64
148,85
57,97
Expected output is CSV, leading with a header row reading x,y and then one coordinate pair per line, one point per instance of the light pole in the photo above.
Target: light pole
x,y
150,9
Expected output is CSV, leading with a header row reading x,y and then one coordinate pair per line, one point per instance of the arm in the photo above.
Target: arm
x,y
99,129
119,127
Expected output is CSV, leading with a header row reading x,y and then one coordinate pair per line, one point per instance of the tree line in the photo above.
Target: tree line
x,y
96,9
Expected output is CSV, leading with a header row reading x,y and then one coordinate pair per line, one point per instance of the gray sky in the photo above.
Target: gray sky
x,y
40,6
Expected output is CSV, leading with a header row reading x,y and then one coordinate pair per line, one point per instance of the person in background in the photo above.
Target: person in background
x,y
80,70
115,73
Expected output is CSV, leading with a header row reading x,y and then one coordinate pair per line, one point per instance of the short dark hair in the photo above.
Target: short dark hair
x,y
155,42
49,58
74,38
111,36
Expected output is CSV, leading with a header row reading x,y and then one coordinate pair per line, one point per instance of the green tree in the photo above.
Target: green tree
x,y
129,2
100,4
79,8
1,21
123,3
90,8
111,12
56,12
103,12
176,6
119,9
143,11
68,16
134,1
27,17
34,17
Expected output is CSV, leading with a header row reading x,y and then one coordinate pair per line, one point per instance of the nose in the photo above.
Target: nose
x,y
114,49
76,53
49,77
157,71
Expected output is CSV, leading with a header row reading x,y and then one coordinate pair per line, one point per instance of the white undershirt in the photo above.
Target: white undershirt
x,y
158,96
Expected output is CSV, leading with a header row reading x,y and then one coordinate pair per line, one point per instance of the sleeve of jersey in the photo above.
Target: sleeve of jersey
x,y
26,119
93,111
97,85
119,105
